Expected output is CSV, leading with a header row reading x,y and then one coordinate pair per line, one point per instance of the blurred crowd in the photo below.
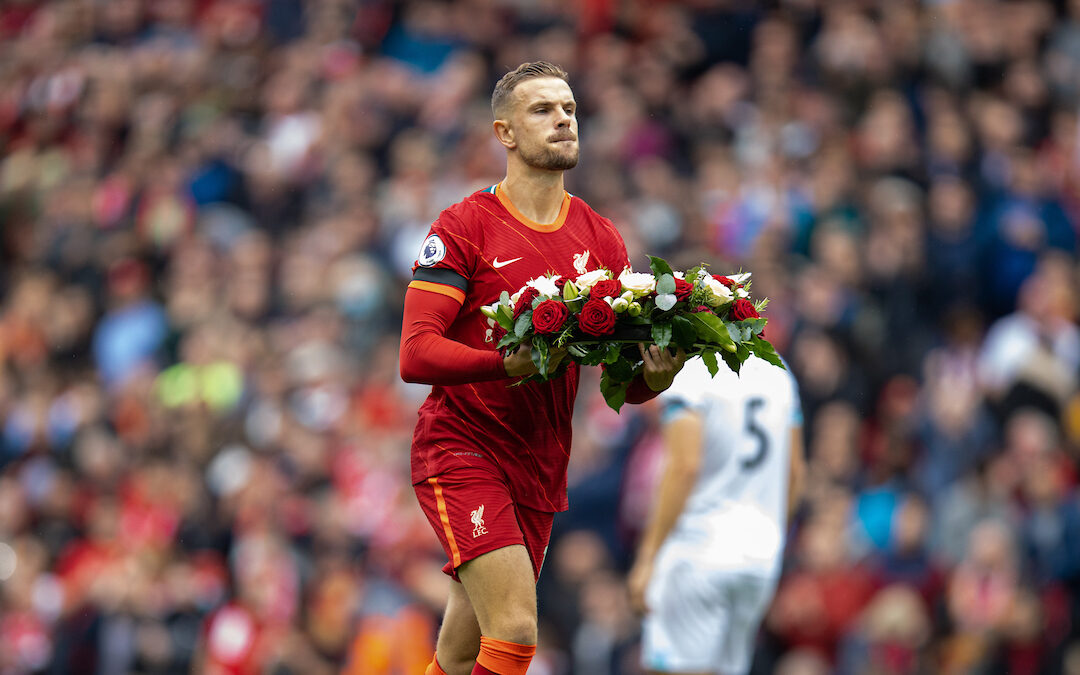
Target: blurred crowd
x,y
208,214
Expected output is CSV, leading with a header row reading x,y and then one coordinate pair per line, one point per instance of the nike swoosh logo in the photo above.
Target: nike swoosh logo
x,y
496,263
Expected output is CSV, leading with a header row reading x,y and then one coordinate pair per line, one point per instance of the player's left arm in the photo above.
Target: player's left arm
x,y
659,365
682,437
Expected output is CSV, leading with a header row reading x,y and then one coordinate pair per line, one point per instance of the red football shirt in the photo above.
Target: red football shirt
x,y
477,249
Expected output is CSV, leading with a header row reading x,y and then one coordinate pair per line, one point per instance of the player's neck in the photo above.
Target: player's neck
x,y
538,195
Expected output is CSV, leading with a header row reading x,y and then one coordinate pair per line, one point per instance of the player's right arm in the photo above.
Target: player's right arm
x,y
796,472
427,356
683,450
432,304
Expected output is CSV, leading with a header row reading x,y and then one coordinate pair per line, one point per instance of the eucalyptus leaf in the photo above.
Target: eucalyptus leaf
x,y
665,284
665,301
504,298
734,332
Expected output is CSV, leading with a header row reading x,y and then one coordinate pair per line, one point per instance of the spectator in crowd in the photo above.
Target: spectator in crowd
x,y
208,209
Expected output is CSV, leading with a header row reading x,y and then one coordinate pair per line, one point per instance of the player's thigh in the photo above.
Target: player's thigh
x,y
459,636
687,618
749,596
473,513
502,589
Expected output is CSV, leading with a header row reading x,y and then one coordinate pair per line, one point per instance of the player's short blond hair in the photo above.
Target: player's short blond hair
x,y
504,88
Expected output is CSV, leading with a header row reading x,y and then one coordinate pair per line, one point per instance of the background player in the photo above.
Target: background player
x,y
489,461
709,558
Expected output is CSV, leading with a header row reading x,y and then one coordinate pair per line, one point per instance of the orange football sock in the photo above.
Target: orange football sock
x,y
499,657
434,668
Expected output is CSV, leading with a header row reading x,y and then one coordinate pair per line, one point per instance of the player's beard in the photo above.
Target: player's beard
x,y
550,160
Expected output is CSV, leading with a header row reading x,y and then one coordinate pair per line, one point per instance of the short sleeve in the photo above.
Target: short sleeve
x,y
688,391
449,254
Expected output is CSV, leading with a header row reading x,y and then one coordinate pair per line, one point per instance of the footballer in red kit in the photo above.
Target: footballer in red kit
x,y
489,459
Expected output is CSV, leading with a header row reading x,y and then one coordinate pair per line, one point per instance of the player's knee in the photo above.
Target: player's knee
x,y
514,624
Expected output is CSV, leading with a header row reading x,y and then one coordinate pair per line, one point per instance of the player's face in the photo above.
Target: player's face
x,y
544,120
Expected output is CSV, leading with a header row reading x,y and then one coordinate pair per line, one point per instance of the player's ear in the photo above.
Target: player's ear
x,y
504,133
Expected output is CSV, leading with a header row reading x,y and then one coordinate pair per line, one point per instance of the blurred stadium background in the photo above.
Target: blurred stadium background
x,y
208,210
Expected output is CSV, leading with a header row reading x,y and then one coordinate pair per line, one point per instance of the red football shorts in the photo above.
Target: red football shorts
x,y
471,511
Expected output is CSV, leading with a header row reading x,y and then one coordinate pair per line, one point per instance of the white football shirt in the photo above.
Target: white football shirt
x,y
736,513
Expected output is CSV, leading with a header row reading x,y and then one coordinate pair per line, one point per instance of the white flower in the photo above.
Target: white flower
x,y
639,283
719,294
634,309
545,285
741,293
514,298
679,275
740,278
628,296
589,278
619,304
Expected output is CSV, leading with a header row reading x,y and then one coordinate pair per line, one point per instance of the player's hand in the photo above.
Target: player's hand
x,y
519,363
637,580
661,366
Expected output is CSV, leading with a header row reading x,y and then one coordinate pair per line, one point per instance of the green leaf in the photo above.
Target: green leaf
x,y
709,357
524,323
508,340
577,351
710,329
540,357
661,334
613,351
665,301
755,325
733,362
594,356
659,266
614,392
764,350
621,370
665,284
505,316
743,352
734,332
682,331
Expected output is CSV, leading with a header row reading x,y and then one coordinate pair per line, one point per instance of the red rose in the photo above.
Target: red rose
x,y
724,280
524,303
606,288
702,308
560,283
743,309
683,289
597,318
548,317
